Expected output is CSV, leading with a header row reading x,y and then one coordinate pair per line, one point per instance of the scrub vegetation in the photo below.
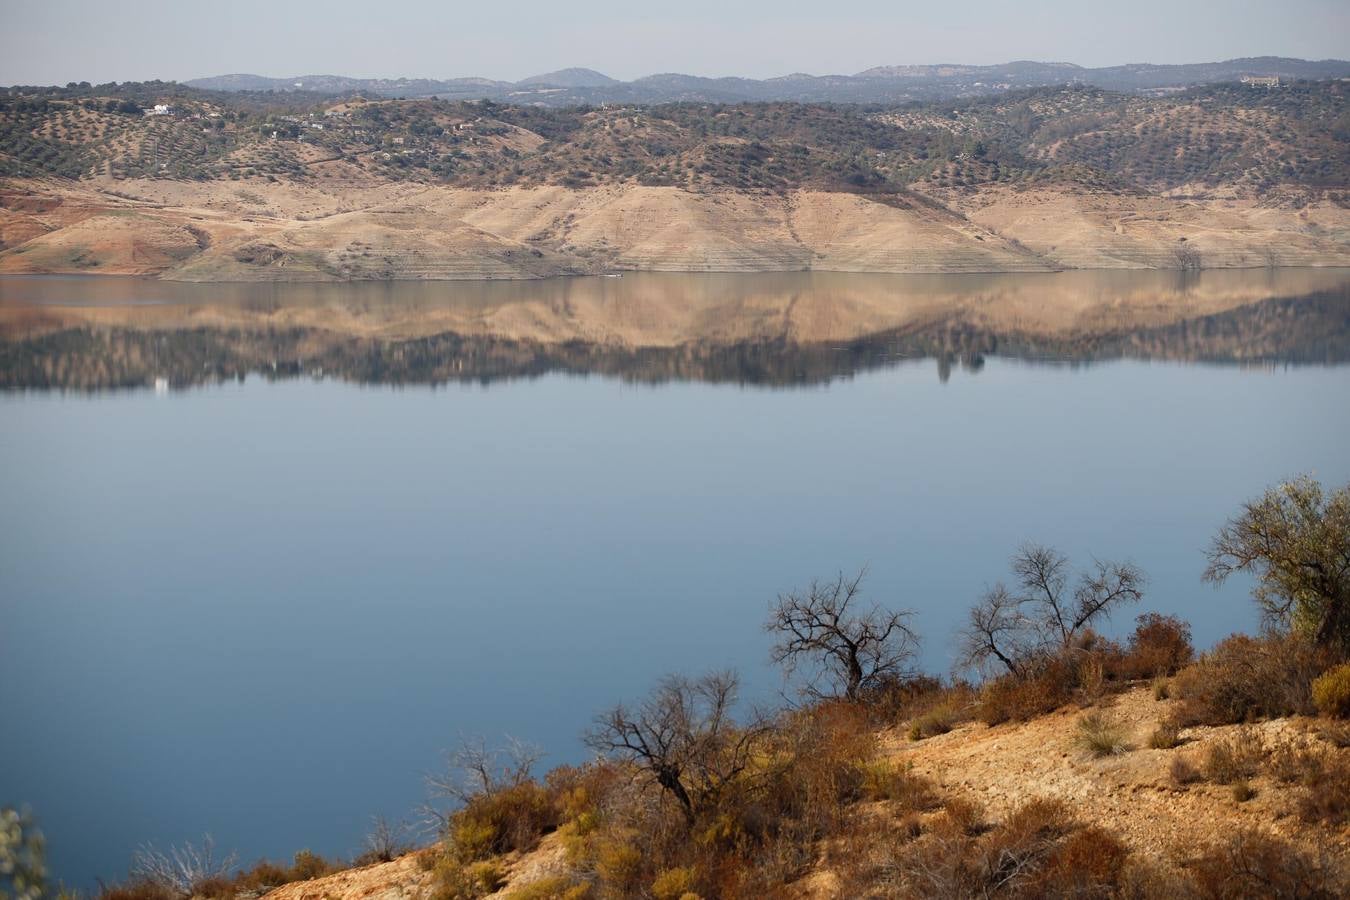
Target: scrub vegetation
x,y
1231,135
690,795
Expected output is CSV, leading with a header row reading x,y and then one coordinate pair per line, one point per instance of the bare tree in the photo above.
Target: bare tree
x,y
853,650
181,869
385,842
996,631
1043,616
683,736
1296,540
473,770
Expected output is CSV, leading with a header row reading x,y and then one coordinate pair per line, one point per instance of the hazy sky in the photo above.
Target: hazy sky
x,y
55,41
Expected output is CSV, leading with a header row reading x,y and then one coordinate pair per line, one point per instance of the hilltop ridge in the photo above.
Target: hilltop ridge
x,y
878,84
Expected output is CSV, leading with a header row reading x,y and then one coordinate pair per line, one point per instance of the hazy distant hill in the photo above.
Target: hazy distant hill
x,y
882,84
572,78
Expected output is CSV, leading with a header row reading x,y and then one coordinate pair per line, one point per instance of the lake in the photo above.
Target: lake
x,y
266,551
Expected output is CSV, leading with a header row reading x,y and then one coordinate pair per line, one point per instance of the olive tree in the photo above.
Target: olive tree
x,y
1295,539
1041,615
683,735
848,648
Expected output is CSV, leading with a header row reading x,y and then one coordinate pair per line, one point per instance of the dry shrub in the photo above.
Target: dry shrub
x,y
1038,851
1166,736
1294,762
1252,864
1020,698
456,880
819,764
1144,879
512,818
1091,674
1244,679
1088,863
555,887
1100,735
674,883
307,865
1234,757
938,720
138,889
263,877
966,816
1183,772
1159,646
1325,794
619,866
1337,734
1331,692
886,780
897,698
577,791
1014,853
1162,689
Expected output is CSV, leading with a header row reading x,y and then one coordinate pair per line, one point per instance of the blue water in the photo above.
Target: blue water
x,y
263,610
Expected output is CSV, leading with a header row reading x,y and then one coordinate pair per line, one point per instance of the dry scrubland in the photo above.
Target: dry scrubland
x,y
251,187
1079,767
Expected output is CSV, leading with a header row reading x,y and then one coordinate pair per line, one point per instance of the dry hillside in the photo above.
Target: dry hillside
x,y
1001,768
226,187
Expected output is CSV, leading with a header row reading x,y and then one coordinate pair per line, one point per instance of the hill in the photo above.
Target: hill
x,y
880,84
572,78
242,185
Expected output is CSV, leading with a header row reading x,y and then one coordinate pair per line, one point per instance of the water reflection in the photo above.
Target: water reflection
x,y
772,330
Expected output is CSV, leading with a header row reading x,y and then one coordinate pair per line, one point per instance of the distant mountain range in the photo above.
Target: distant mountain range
x,y
883,84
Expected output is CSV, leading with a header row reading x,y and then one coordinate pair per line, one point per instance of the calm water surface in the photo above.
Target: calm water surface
x,y
260,591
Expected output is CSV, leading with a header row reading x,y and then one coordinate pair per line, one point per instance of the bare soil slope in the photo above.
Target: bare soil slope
x,y
327,230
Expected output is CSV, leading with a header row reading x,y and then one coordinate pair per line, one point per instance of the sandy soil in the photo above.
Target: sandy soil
x,y
1131,794
345,228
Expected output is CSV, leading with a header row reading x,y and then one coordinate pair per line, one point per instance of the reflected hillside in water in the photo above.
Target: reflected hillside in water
x,y
773,329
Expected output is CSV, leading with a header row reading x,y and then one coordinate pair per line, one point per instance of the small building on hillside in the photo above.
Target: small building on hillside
x,y
1261,80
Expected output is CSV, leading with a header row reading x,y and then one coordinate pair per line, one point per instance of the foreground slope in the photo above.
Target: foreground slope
x,y
1001,768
